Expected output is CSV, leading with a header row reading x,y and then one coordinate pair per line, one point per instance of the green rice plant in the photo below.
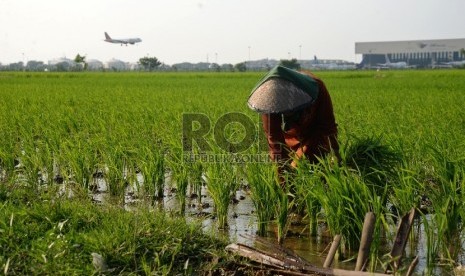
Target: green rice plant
x,y
282,207
345,199
304,181
376,162
263,195
406,192
221,186
195,179
8,144
48,163
432,243
115,161
32,163
50,150
270,197
7,162
81,162
461,194
445,193
152,166
196,169
130,173
180,175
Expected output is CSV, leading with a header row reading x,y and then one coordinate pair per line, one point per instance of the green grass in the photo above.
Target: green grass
x,y
43,236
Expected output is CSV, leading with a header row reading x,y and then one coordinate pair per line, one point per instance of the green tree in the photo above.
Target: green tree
x,y
149,63
290,63
241,67
81,60
228,67
215,67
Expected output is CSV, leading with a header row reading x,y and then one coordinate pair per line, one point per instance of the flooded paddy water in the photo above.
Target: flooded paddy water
x,y
242,222
242,226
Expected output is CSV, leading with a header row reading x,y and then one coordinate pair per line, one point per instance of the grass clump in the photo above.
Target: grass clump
x,y
43,236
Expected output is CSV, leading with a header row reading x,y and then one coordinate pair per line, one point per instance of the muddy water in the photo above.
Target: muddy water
x,y
242,228
242,223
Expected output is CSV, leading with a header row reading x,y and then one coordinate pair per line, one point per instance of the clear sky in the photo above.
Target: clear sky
x,y
221,31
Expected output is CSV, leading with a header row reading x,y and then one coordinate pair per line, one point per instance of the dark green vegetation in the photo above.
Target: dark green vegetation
x,y
51,236
402,142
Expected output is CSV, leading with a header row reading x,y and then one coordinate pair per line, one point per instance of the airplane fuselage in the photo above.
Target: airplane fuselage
x,y
122,41
394,65
455,63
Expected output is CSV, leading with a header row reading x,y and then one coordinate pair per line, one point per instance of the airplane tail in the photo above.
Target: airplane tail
x,y
107,37
387,59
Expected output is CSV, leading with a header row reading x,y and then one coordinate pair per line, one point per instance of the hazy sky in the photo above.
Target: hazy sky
x,y
222,31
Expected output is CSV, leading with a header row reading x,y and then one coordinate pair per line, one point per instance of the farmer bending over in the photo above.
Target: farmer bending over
x,y
297,116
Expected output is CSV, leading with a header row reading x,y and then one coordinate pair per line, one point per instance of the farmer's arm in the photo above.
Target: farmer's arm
x,y
276,144
275,137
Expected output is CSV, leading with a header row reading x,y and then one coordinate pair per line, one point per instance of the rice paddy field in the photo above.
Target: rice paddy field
x,y
114,145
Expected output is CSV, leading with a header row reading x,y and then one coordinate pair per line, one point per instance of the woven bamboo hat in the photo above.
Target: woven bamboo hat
x,y
283,90
278,96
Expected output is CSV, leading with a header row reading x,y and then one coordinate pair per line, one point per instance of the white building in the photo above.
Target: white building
x,y
62,64
419,53
94,65
116,65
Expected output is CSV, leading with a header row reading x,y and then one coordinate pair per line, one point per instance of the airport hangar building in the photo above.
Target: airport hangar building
x,y
417,53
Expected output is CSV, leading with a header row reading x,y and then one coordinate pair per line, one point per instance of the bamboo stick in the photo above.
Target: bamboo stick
x,y
332,251
365,242
403,232
283,264
412,266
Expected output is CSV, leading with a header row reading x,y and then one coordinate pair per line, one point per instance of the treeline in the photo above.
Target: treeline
x,y
80,63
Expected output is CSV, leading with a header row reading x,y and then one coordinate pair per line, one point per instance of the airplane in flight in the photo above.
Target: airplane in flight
x,y
122,41
394,65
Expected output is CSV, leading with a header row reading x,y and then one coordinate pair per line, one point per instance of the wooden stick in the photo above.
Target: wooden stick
x,y
365,242
329,272
277,251
412,266
403,232
255,255
274,259
332,251
265,259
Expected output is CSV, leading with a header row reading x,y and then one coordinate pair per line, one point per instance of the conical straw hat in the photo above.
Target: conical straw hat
x,y
277,95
